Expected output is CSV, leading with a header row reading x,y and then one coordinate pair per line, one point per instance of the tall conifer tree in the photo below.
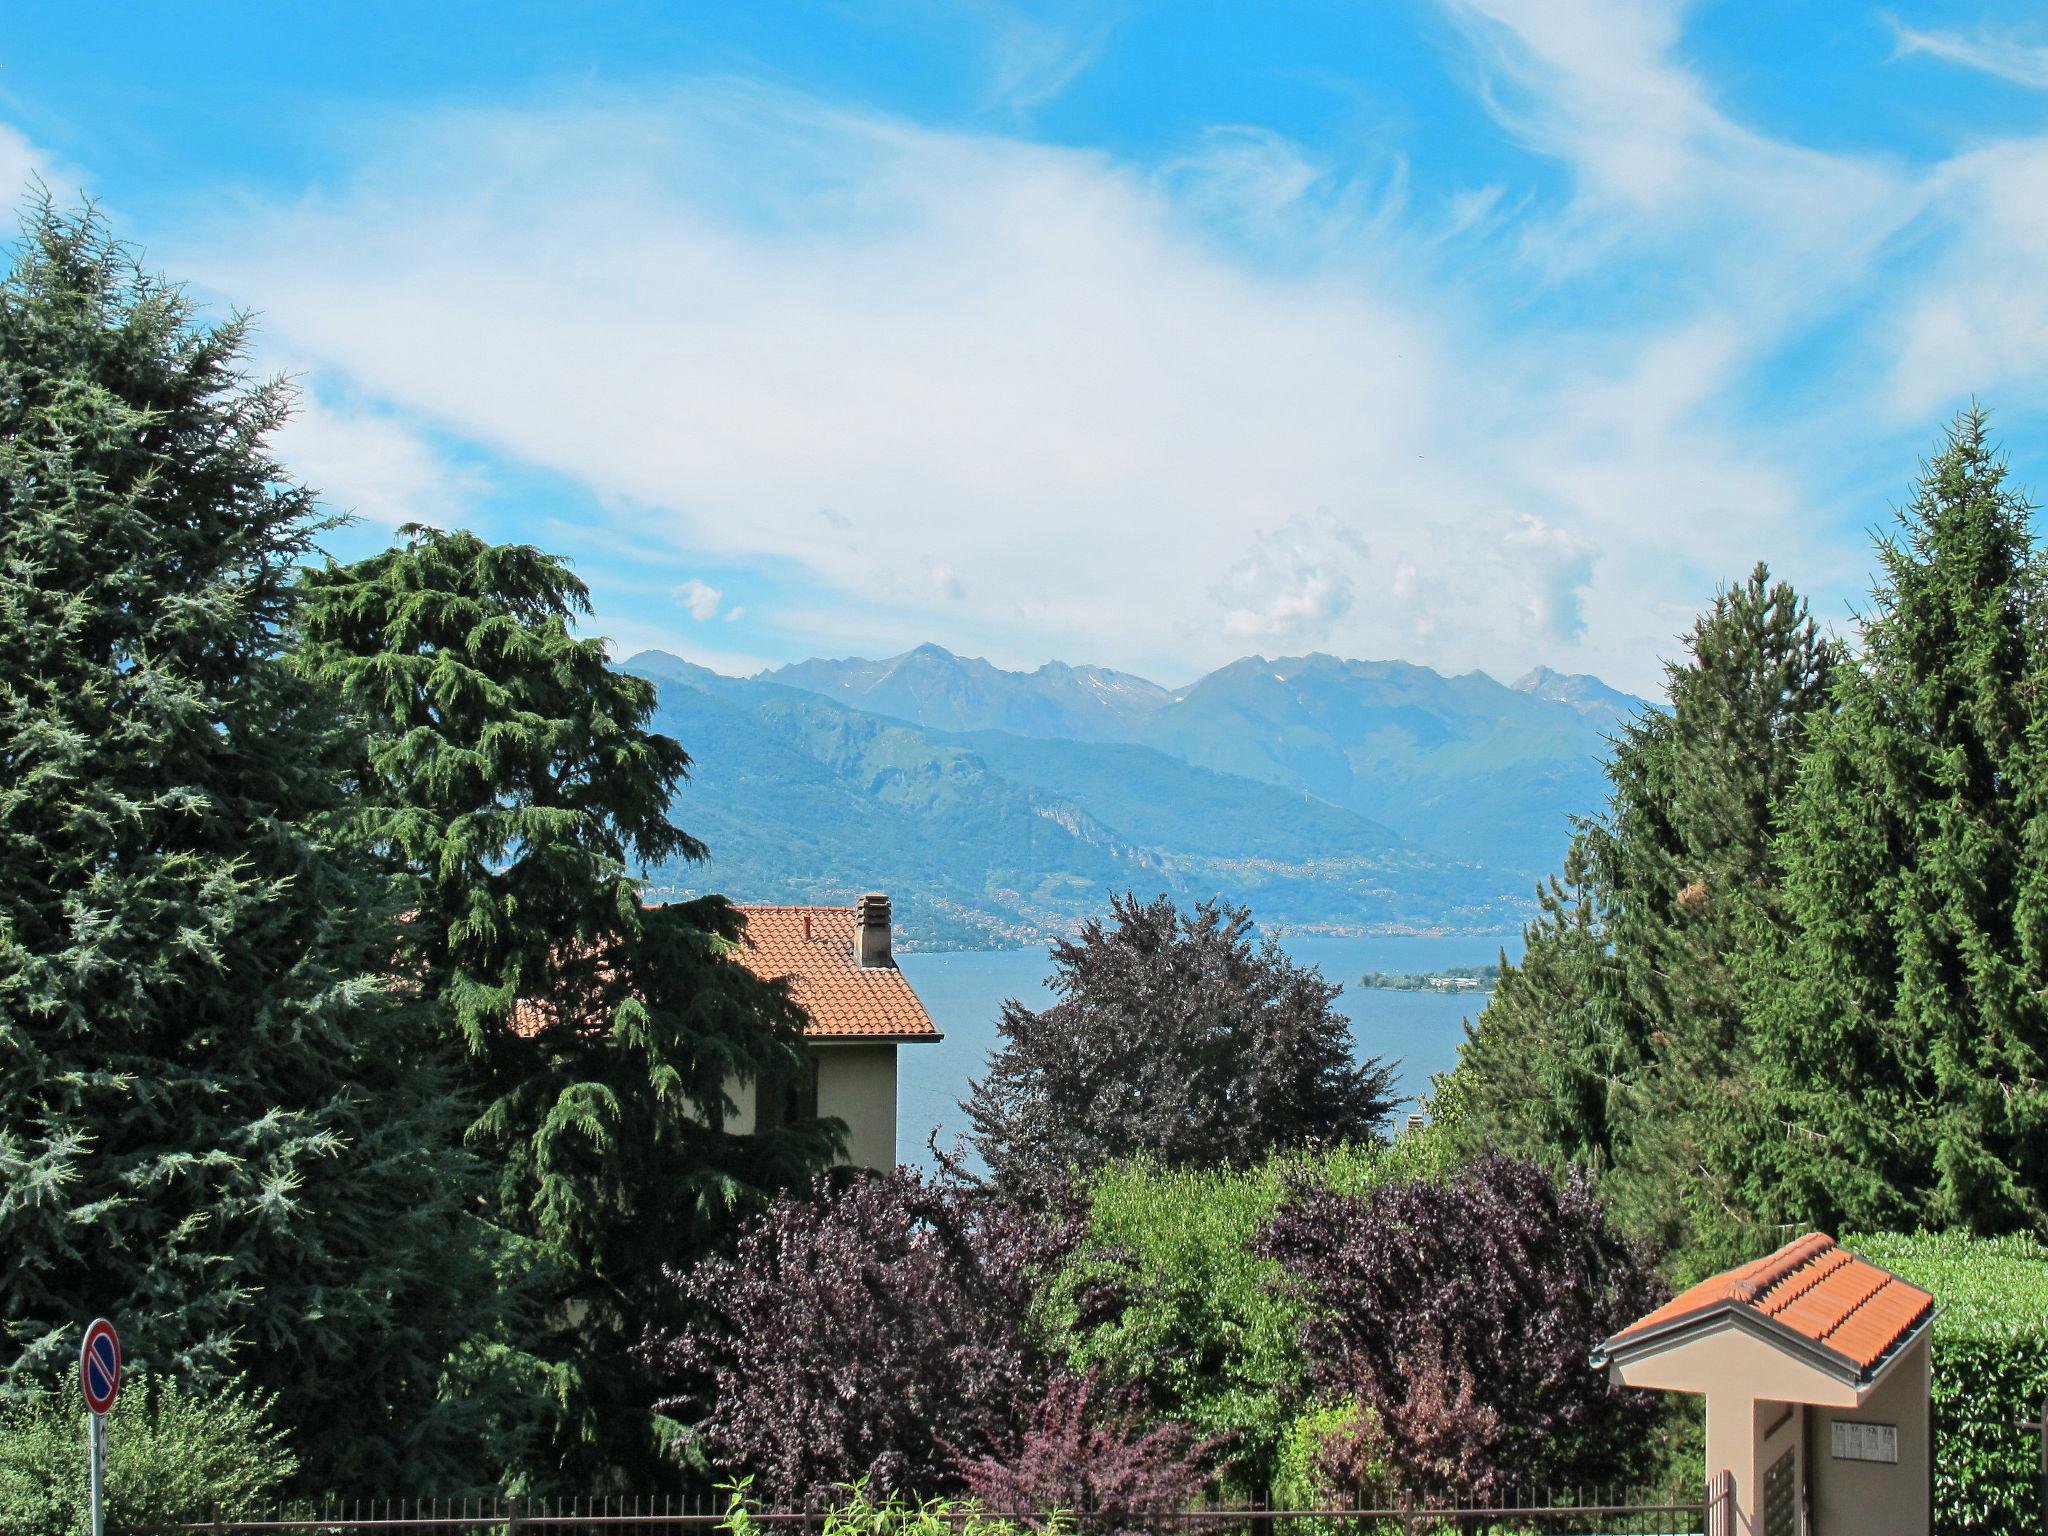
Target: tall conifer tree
x,y
510,784
1617,1041
1689,863
1900,1019
218,1124
1542,1066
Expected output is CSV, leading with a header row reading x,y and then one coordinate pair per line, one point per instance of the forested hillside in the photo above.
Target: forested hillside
x,y
1464,766
988,838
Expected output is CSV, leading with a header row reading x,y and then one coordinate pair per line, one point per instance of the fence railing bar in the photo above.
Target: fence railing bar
x,y
394,1515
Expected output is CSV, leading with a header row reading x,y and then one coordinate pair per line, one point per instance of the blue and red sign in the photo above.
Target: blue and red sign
x,y
99,1365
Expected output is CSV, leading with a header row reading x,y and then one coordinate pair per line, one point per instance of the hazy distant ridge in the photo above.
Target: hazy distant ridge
x,y
1004,836
1474,768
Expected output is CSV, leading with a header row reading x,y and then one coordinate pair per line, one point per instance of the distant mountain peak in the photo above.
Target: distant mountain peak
x,y
1582,691
930,686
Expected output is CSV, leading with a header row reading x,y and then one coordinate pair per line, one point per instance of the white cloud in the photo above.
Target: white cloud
x,y
1030,61
1023,398
373,465
1976,319
1992,53
24,165
1661,170
700,598
1293,585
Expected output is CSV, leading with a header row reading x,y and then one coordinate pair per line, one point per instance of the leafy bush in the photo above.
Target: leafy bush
x,y
880,1333
1461,1312
1090,1452
172,1454
861,1515
1990,1366
1327,1457
1169,1290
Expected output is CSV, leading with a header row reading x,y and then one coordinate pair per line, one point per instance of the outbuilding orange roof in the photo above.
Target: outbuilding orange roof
x,y
814,948
1815,1289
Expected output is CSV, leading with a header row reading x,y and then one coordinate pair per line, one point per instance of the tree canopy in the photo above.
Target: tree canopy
x,y
219,1121
508,783
1175,1037
1899,1010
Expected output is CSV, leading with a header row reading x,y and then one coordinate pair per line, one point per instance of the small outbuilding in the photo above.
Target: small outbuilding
x,y
1814,1366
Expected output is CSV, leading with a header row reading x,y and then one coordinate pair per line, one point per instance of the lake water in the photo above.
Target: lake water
x,y
964,993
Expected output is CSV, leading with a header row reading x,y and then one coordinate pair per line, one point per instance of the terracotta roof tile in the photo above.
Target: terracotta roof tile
x,y
844,999
1816,1288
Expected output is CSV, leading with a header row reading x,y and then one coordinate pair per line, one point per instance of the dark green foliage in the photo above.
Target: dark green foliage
x,y
508,783
1689,863
219,1125
1899,1009
1173,1038
1990,1367
1617,1042
1538,1070
174,1454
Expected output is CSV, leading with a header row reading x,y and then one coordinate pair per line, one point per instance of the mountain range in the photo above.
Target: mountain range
x,y
1001,807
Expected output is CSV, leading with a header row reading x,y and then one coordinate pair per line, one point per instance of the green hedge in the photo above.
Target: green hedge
x,y
1990,1366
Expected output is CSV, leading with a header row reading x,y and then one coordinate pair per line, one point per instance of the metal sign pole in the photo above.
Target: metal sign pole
x,y
99,1474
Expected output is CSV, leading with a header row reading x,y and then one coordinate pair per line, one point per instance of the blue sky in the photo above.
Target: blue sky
x,y
1481,333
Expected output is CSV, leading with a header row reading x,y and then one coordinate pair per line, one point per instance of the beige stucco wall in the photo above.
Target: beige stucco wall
x,y
1730,1362
1758,1401
742,1095
1871,1496
857,1084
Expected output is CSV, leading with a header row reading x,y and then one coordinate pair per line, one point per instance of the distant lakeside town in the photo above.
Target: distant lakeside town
x,y
1459,978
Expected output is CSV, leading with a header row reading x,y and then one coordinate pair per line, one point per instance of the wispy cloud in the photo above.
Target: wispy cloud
x,y
373,464
1039,400
1030,60
2002,54
1019,396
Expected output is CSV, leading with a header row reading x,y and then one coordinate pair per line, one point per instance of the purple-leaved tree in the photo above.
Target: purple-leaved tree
x,y
1462,1312
880,1330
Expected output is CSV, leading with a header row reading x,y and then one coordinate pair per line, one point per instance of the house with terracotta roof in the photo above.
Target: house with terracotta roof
x,y
841,966
1814,1365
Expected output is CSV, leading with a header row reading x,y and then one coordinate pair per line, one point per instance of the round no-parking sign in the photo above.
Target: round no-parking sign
x,y
99,1365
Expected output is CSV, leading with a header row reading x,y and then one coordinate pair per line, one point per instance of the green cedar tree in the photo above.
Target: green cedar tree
x,y
1688,865
219,1123
508,781
1617,1041
1538,1069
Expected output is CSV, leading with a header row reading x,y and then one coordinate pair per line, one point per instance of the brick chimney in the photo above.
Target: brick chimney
x,y
871,931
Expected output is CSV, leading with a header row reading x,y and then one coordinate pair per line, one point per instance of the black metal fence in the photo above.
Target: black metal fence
x,y
1577,1512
